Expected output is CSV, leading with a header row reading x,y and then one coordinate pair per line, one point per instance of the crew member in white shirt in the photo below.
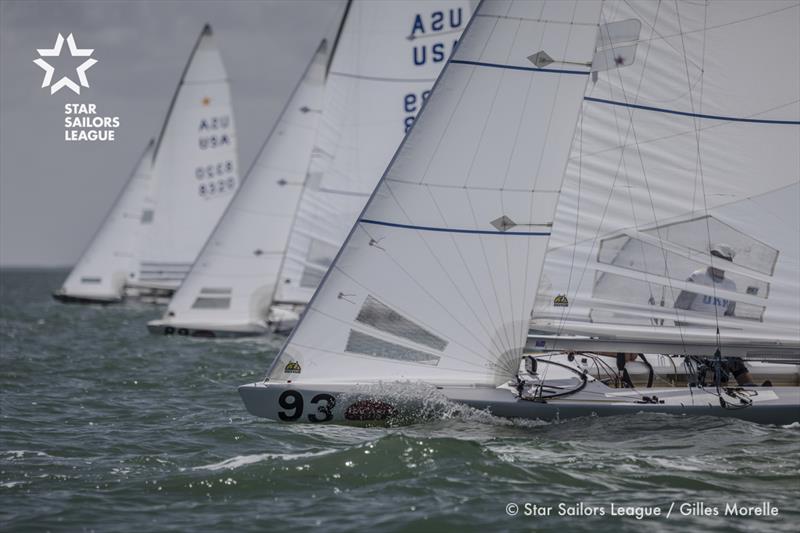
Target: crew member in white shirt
x,y
713,276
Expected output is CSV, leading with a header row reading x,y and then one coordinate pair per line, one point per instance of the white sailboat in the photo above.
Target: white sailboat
x,y
195,170
112,255
256,274
228,290
437,281
388,56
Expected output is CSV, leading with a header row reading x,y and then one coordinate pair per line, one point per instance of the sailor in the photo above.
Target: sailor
x,y
710,277
713,276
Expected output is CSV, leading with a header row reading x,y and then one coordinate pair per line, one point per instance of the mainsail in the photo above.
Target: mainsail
x,y
386,60
195,169
437,278
691,144
112,255
232,282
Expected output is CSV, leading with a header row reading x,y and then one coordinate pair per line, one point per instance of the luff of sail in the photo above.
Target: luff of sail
x,y
435,281
195,168
230,286
387,58
112,255
694,144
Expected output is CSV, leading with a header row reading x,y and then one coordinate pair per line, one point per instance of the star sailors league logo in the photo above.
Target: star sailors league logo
x,y
74,52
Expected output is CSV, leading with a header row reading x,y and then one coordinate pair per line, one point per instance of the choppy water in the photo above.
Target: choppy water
x,y
104,427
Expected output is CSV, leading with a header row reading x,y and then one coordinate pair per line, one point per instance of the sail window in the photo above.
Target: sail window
x,y
364,344
91,280
147,216
382,317
611,53
649,267
319,258
205,302
215,290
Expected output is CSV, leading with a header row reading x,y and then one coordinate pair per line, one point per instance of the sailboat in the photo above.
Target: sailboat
x,y
111,258
195,171
228,289
316,171
436,284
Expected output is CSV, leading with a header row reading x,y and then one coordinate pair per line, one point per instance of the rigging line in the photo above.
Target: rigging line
x,y
526,288
456,108
528,19
416,318
541,157
546,135
514,147
475,286
482,136
700,164
382,78
464,263
706,28
509,342
567,311
473,187
647,184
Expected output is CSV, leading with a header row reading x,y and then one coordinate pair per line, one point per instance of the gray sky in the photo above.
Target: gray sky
x,y
53,193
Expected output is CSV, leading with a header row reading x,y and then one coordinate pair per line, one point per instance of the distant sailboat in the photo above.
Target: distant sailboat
x,y
437,281
195,170
383,62
228,290
388,57
112,256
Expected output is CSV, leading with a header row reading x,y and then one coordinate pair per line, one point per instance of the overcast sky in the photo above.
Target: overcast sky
x,y
53,193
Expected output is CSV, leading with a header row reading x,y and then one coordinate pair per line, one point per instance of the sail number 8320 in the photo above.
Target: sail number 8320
x,y
292,403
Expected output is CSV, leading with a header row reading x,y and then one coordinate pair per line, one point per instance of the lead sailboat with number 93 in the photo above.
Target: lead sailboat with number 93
x,y
581,163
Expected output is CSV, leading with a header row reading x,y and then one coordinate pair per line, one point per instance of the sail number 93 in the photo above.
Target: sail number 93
x,y
292,403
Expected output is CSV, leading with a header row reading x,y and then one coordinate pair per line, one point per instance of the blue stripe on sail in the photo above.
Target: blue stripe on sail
x,y
688,114
453,230
515,67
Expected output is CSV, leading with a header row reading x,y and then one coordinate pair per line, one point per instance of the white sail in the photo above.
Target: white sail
x,y
436,279
112,255
691,143
233,280
387,58
195,168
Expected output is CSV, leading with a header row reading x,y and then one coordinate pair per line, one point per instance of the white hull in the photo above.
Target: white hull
x,y
185,329
359,404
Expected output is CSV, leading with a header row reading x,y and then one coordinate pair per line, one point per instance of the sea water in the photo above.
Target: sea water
x,y
105,427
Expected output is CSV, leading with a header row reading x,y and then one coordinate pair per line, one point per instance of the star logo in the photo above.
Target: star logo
x,y
74,52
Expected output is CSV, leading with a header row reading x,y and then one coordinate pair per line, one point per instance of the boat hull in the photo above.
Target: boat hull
x,y
353,404
164,327
85,299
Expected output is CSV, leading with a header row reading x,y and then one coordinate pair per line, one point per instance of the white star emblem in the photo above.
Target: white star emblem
x,y
74,52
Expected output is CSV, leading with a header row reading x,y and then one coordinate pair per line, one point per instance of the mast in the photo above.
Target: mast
x,y
206,31
338,36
